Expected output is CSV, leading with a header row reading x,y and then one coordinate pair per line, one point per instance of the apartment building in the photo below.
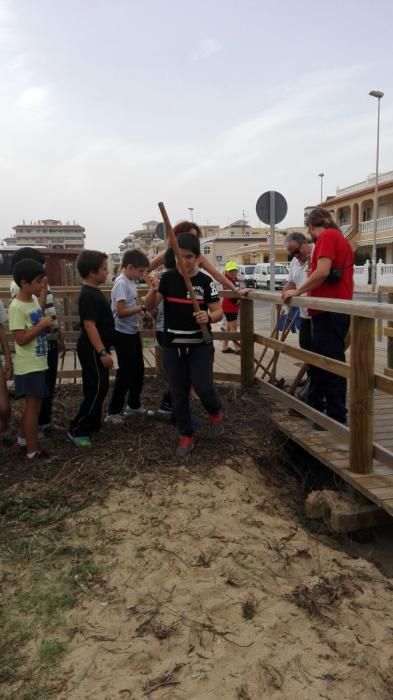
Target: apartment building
x,y
353,209
48,233
144,239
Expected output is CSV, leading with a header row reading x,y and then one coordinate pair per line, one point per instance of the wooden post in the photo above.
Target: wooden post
x,y
246,342
390,339
362,395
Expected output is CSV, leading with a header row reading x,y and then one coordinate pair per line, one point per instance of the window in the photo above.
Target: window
x,y
207,250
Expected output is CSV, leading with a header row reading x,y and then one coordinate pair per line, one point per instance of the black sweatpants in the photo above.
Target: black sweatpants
x,y
50,375
95,382
305,334
129,376
191,366
328,391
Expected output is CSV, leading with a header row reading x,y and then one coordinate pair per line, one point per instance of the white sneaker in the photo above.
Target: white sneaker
x,y
114,419
137,411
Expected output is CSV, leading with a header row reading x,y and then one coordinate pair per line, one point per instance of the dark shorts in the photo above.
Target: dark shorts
x,y
31,384
231,315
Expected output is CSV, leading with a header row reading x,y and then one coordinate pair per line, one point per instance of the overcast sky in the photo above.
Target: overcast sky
x,y
108,106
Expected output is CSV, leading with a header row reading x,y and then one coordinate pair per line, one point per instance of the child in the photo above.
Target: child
x,y
230,307
93,346
29,326
127,339
5,373
191,227
54,337
188,359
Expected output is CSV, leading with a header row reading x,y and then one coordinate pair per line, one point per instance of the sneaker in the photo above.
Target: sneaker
x,y
185,446
141,411
114,418
216,424
165,408
229,350
17,449
80,440
37,457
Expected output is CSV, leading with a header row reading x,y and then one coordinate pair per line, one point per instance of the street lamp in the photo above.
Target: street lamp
x,y
321,175
191,210
378,94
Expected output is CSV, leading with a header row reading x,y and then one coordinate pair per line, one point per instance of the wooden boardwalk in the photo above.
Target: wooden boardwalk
x,y
324,446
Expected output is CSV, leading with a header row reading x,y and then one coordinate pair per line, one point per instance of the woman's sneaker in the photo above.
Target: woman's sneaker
x,y
185,446
165,408
216,424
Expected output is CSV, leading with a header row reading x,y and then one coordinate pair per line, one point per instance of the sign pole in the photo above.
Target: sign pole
x,y
272,253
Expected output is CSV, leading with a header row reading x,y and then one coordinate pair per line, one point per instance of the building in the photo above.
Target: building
x,y
245,244
353,209
144,239
48,233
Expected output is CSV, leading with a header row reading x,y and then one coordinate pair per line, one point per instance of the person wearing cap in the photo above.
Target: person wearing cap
x,y
230,307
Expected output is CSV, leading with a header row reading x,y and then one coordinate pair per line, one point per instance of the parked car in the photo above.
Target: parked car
x,y
246,275
262,275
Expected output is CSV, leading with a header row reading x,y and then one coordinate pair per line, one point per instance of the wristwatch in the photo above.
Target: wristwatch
x,y
102,352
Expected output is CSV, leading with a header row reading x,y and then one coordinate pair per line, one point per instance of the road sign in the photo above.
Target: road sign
x,y
263,207
161,232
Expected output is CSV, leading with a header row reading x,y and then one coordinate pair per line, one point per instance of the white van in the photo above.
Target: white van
x,y
262,275
246,274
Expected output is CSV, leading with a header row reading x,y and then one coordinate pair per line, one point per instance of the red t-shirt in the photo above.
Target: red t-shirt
x,y
332,244
230,305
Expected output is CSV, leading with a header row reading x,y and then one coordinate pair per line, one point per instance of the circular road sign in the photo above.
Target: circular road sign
x,y
161,232
280,207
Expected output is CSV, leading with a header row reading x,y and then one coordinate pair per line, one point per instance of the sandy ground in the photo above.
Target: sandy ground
x,y
211,589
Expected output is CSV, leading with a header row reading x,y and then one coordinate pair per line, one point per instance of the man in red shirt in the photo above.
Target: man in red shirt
x,y
330,276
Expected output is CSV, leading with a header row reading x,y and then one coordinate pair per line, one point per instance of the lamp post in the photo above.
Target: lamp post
x,y
191,210
321,175
378,94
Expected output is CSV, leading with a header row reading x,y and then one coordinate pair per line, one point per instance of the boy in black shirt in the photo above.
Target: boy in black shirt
x,y
188,359
93,346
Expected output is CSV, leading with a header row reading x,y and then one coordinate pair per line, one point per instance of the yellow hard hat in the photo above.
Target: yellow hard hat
x,y
230,266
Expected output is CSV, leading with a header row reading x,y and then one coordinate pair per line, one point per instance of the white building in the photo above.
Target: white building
x,y
144,239
49,233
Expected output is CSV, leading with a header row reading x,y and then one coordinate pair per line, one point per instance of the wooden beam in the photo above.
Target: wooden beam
x,y
310,358
362,395
246,342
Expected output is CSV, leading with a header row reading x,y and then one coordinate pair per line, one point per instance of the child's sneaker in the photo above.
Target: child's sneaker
x,y
114,419
165,408
216,424
185,446
18,449
38,456
80,440
141,411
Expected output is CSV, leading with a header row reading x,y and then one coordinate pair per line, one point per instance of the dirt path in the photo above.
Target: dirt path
x,y
211,590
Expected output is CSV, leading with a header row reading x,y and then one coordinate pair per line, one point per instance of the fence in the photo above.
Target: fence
x,y
360,370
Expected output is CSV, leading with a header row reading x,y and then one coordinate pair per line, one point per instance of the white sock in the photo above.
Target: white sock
x,y
30,455
21,441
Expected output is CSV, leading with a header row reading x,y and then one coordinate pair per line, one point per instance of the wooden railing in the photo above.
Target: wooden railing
x,y
363,379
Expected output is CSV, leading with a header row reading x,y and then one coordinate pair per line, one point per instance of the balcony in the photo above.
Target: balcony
x,y
384,224
369,182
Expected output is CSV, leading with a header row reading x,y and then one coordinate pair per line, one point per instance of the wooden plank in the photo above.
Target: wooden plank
x,y
362,395
310,358
247,342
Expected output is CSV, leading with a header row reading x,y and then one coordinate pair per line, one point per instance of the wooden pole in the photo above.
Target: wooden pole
x,y
246,342
390,339
362,395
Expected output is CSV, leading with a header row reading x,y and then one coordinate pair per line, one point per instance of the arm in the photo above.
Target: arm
x,y
313,281
24,336
218,276
123,310
153,297
7,353
214,314
42,297
156,262
95,339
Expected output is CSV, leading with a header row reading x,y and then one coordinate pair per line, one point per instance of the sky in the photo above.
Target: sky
x,y
109,106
